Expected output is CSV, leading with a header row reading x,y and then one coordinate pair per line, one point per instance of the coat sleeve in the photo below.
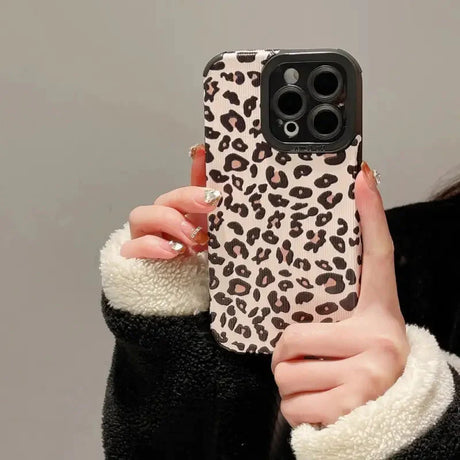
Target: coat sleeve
x,y
417,418
159,396
173,392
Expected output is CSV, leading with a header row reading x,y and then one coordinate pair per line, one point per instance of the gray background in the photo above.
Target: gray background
x,y
99,101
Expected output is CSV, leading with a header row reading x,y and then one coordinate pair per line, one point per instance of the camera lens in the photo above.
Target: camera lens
x,y
290,102
325,121
325,83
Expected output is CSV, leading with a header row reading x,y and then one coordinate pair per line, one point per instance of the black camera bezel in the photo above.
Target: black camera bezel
x,y
352,106
286,89
321,108
311,85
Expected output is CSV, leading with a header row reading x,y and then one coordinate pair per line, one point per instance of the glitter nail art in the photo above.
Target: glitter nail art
x,y
195,232
193,150
211,196
176,246
369,175
377,175
199,236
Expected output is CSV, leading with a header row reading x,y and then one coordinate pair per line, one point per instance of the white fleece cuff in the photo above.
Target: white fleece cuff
x,y
175,287
402,414
452,359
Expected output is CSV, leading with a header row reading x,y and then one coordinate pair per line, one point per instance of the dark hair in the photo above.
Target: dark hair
x,y
448,191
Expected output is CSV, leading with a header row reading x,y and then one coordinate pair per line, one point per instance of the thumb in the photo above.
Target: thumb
x,y
378,280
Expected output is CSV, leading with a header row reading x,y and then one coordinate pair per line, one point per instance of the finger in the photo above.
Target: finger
x,y
373,367
198,171
195,202
198,178
378,281
297,375
333,340
155,220
323,407
190,199
151,247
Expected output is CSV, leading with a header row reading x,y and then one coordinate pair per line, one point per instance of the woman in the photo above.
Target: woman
x,y
387,382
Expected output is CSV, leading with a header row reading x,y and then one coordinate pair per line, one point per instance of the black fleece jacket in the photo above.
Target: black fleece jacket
x,y
174,393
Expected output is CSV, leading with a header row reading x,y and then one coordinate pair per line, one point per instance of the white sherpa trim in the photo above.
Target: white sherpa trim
x,y
383,426
148,287
452,359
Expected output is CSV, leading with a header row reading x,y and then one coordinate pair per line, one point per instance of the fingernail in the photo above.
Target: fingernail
x,y
176,246
199,236
369,176
194,233
198,148
211,196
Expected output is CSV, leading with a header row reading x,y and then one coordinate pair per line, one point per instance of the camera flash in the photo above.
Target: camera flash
x,y
291,76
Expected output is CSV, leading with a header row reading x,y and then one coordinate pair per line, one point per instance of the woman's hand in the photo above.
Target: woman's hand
x,y
360,357
176,222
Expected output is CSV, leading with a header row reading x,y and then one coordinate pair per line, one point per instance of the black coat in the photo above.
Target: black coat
x,y
174,393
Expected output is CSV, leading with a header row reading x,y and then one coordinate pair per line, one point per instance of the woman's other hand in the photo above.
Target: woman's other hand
x,y
362,356
177,221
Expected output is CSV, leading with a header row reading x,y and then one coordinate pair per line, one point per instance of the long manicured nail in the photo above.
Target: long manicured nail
x,y
369,176
194,233
199,236
176,246
199,148
211,196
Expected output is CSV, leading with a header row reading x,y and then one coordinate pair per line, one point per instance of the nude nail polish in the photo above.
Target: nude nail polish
x,y
199,236
369,176
194,233
199,148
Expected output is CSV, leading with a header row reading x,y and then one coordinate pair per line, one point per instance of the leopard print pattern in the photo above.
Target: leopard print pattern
x,y
285,242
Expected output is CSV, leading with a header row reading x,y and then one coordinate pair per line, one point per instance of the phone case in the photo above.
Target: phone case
x,y
285,243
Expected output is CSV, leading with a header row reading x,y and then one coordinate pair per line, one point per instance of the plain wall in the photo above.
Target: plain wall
x,y
99,102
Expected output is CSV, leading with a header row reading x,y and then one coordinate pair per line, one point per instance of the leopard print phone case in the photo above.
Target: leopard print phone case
x,y
285,242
